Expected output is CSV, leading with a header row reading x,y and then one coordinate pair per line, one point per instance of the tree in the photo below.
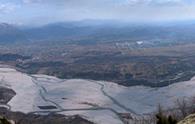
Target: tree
x,y
182,106
4,121
163,119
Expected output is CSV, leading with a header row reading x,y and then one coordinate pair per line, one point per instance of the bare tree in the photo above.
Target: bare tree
x,y
182,106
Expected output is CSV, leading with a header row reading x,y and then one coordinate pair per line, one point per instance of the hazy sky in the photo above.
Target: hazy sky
x,y
47,11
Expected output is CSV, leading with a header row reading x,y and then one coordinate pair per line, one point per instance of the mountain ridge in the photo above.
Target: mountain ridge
x,y
94,31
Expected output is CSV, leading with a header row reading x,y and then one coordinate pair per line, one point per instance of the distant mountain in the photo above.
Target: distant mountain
x,y
91,31
58,31
10,34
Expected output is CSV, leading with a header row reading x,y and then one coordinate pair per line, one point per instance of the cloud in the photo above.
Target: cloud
x,y
42,11
52,2
7,7
31,1
110,3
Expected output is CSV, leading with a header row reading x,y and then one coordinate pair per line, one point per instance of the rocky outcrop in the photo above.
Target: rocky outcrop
x,y
188,120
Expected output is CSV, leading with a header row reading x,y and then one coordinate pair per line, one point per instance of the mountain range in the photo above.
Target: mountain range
x,y
94,31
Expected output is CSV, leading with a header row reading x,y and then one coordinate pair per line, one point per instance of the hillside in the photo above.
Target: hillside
x,y
106,101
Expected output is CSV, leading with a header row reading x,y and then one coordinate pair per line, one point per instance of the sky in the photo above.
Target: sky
x,y
37,12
